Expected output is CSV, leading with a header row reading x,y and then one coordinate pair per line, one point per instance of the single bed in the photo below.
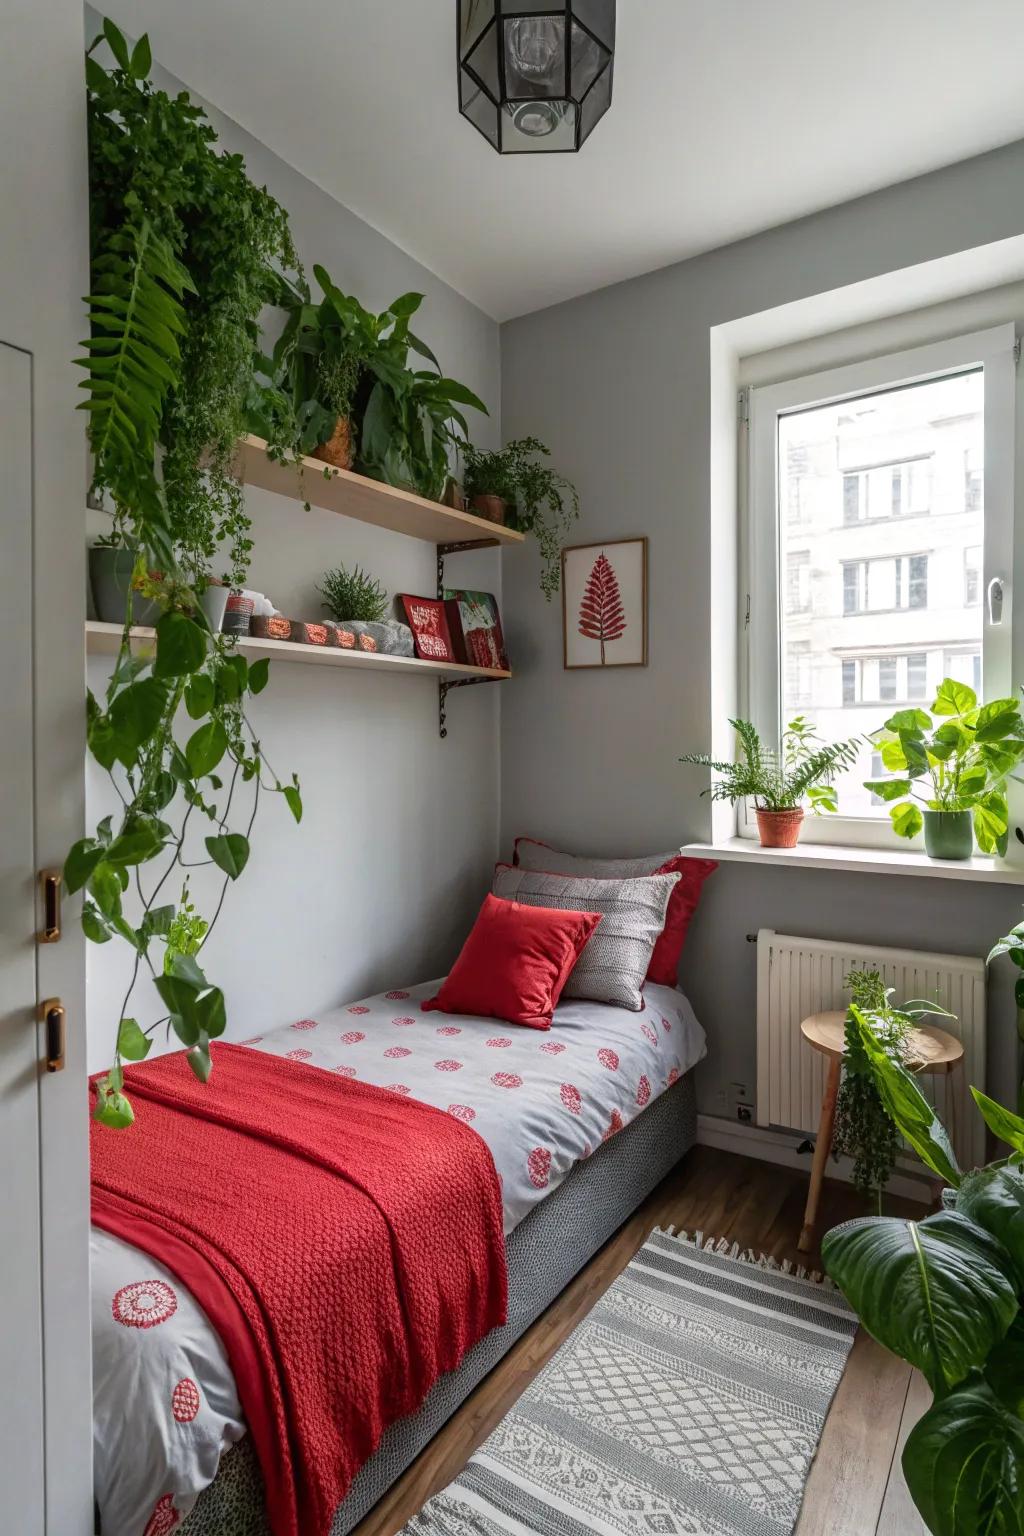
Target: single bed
x,y
581,1121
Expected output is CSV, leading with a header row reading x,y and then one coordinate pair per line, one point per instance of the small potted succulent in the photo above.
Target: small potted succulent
x,y
513,485
949,778
779,782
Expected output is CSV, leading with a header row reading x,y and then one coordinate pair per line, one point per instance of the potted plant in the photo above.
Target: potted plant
x,y
114,573
540,501
337,362
957,770
779,782
353,596
944,1294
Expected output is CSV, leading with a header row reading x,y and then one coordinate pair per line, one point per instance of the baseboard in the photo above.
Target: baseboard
x,y
780,1147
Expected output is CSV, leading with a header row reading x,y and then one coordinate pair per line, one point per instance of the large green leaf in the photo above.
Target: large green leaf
x,y
1004,1368
964,1465
135,715
906,819
939,1292
906,1105
1002,1121
82,859
997,720
137,843
1011,944
180,646
993,1198
229,852
132,1044
888,789
205,748
954,698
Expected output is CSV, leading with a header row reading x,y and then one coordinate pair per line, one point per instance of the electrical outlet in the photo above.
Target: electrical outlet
x,y
745,1114
741,1092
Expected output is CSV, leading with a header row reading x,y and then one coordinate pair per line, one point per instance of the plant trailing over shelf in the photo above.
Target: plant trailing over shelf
x,y
405,421
864,1130
350,596
544,502
184,255
779,782
945,1294
958,767
181,244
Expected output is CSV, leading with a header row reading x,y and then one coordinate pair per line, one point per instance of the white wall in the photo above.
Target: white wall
x,y
619,384
380,883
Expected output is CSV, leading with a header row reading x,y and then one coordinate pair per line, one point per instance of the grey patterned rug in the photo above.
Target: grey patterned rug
x,y
691,1399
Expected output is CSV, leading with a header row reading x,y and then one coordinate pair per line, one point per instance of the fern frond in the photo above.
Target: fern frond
x,y
132,361
821,767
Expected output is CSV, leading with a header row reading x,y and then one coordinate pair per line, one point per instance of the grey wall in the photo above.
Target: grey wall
x,y
618,384
381,881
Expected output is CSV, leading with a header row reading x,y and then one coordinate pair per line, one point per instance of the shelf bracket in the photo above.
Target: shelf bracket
x,y
455,549
444,687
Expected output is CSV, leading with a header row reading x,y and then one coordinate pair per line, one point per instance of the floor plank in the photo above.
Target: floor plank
x,y
758,1205
899,1516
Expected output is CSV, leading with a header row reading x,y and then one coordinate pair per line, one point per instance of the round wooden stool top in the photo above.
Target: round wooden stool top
x,y
929,1049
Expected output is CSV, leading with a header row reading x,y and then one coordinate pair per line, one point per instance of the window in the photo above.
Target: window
x,y
866,600
972,575
878,586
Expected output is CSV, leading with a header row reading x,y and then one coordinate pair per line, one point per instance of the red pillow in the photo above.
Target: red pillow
x,y
515,963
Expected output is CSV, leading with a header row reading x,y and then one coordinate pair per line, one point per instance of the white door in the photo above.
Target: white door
x,y
45,1385
21,1340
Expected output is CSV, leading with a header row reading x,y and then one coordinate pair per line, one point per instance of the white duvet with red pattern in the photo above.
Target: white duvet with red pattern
x,y
164,1397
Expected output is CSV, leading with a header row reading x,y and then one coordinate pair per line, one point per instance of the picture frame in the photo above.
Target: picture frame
x,y
604,605
426,618
474,623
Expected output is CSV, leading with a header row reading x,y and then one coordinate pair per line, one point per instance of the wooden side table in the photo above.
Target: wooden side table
x,y
929,1049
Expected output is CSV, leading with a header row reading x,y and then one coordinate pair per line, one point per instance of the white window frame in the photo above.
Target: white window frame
x,y
992,350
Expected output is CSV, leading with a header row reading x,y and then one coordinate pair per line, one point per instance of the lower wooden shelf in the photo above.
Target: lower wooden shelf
x,y
105,640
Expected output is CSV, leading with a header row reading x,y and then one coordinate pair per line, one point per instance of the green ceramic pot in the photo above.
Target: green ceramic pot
x,y
948,834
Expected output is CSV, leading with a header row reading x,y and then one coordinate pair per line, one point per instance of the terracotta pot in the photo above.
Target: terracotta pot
x,y
493,508
779,829
338,448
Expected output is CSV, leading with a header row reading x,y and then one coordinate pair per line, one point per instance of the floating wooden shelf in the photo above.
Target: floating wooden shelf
x,y
371,501
105,640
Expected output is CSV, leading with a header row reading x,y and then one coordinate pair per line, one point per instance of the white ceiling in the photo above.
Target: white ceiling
x,y
730,116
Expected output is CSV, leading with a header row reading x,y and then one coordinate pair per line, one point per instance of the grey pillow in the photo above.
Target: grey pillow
x,y
533,855
614,963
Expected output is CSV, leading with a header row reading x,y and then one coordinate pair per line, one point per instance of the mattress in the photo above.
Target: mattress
x,y
166,1409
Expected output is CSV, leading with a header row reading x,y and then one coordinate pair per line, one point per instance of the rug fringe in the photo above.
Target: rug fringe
x,y
726,1250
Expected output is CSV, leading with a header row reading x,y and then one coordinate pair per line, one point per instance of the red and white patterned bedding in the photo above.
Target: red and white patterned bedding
x,y
165,1401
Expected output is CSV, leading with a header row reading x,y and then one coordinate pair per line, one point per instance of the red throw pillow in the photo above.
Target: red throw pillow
x,y
515,963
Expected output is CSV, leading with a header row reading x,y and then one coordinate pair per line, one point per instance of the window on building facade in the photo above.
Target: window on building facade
x,y
872,594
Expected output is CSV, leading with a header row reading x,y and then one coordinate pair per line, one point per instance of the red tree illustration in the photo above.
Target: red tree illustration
x,y
602,616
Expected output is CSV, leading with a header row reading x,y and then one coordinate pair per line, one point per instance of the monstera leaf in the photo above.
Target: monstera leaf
x,y
964,1465
938,1292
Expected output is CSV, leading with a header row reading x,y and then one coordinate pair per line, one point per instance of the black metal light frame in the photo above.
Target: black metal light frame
x,y
502,11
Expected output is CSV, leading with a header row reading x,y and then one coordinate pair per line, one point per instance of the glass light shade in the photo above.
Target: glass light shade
x,y
534,75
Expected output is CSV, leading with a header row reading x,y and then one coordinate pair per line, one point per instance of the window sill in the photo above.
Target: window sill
x,y
874,861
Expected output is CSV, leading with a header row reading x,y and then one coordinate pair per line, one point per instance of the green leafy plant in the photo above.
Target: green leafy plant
x,y
181,247
805,769
962,764
1012,944
353,595
406,420
543,502
944,1293
185,252
863,1129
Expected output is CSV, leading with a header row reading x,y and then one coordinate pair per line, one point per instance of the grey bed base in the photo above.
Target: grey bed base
x,y
544,1253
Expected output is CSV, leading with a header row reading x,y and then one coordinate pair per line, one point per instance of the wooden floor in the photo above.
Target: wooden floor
x,y
855,1487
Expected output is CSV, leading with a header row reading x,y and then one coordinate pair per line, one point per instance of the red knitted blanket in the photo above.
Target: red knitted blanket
x,y
345,1242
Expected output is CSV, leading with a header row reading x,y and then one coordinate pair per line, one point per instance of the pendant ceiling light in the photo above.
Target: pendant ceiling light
x,y
535,76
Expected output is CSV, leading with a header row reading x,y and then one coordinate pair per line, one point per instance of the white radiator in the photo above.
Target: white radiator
x,y
797,977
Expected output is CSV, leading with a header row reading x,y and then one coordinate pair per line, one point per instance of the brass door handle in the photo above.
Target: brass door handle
x,y
50,880
52,1014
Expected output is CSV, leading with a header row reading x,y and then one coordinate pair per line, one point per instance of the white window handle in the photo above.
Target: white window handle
x,y
995,600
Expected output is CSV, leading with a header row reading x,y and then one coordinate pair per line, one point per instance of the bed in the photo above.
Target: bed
x,y
582,1121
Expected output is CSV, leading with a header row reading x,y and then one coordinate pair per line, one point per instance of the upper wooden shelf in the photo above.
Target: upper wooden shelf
x,y
105,640
371,501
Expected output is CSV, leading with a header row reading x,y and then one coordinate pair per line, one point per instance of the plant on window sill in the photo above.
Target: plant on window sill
x,y
182,246
945,1294
965,762
779,782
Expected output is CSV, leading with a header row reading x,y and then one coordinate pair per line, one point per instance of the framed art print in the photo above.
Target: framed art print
x,y
604,604
475,627
426,618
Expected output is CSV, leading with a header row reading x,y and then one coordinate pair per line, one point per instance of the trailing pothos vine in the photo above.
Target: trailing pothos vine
x,y
185,250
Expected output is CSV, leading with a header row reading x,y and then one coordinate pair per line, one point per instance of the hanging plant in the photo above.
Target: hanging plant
x,y
542,501
182,254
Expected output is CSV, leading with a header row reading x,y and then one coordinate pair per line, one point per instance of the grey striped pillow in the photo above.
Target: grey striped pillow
x,y
613,965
